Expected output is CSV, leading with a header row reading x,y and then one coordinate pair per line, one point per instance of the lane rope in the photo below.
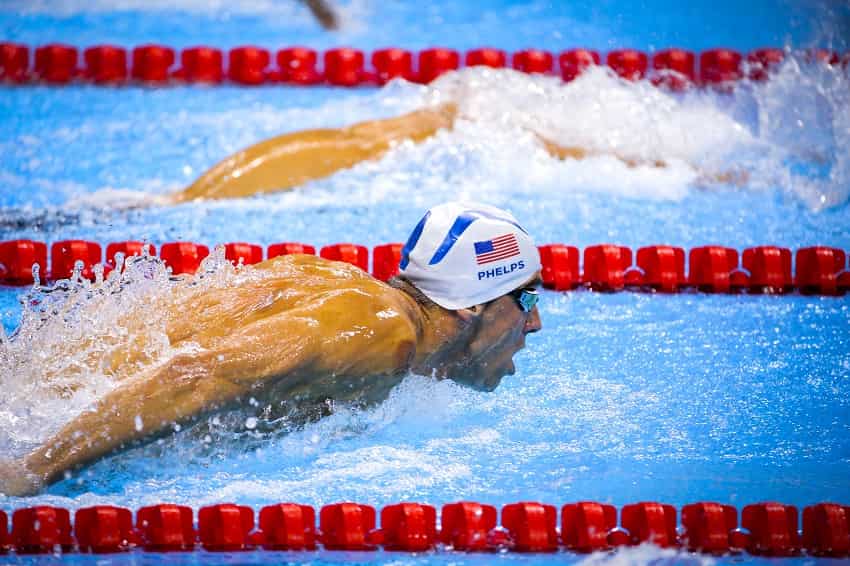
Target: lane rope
x,y
816,270
766,529
159,65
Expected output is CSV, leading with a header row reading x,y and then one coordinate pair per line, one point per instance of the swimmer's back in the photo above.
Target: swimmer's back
x,y
344,315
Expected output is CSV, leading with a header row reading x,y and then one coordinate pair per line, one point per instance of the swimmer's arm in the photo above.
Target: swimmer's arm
x,y
563,152
186,387
286,161
730,177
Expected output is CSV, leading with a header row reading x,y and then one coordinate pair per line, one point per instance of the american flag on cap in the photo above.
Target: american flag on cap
x,y
499,248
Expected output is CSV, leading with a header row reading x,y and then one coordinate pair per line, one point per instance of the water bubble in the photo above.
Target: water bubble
x,y
251,423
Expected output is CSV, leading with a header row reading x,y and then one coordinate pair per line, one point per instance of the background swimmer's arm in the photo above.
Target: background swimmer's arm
x,y
730,177
574,152
292,159
186,387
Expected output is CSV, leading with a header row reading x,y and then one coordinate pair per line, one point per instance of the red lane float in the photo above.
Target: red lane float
x,y
349,253
344,66
287,248
347,526
466,525
14,62
66,253
56,63
575,61
709,528
826,530
5,541
183,257
773,529
243,253
248,65
288,526
165,528
560,267
486,57
225,527
711,268
297,65
103,529
761,62
152,63
17,258
385,261
201,65
819,269
770,269
585,526
105,64
128,249
650,522
392,63
674,69
41,530
533,61
719,67
821,56
409,527
531,526
628,63
435,62
663,268
605,267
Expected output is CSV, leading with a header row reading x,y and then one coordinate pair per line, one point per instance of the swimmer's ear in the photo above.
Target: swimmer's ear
x,y
470,313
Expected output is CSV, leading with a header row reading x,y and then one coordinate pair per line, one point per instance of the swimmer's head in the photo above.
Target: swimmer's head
x,y
479,263
466,254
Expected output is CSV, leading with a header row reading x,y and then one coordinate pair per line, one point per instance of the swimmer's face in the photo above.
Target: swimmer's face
x,y
501,327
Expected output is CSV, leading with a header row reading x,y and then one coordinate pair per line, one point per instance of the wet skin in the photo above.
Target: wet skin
x,y
299,329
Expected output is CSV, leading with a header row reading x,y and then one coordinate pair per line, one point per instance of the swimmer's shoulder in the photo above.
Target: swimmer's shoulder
x,y
347,289
365,326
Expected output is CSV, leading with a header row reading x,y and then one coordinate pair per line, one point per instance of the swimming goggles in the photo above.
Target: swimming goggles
x,y
526,298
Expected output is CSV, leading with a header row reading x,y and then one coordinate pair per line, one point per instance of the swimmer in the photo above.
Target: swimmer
x,y
304,329
287,161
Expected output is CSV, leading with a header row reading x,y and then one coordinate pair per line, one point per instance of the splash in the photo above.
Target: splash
x,y
646,554
788,133
78,340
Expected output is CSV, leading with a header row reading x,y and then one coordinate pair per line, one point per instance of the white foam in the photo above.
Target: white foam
x,y
116,199
62,358
645,554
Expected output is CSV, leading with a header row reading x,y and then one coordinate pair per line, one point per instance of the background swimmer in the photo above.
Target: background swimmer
x,y
309,330
290,160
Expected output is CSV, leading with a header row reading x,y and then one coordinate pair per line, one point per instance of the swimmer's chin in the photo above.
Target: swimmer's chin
x,y
492,382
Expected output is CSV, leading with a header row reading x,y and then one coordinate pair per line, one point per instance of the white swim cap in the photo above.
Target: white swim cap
x,y
464,254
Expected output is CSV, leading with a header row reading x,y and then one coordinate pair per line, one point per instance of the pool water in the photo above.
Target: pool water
x,y
621,398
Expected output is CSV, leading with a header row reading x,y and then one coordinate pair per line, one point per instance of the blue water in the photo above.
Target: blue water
x,y
621,398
